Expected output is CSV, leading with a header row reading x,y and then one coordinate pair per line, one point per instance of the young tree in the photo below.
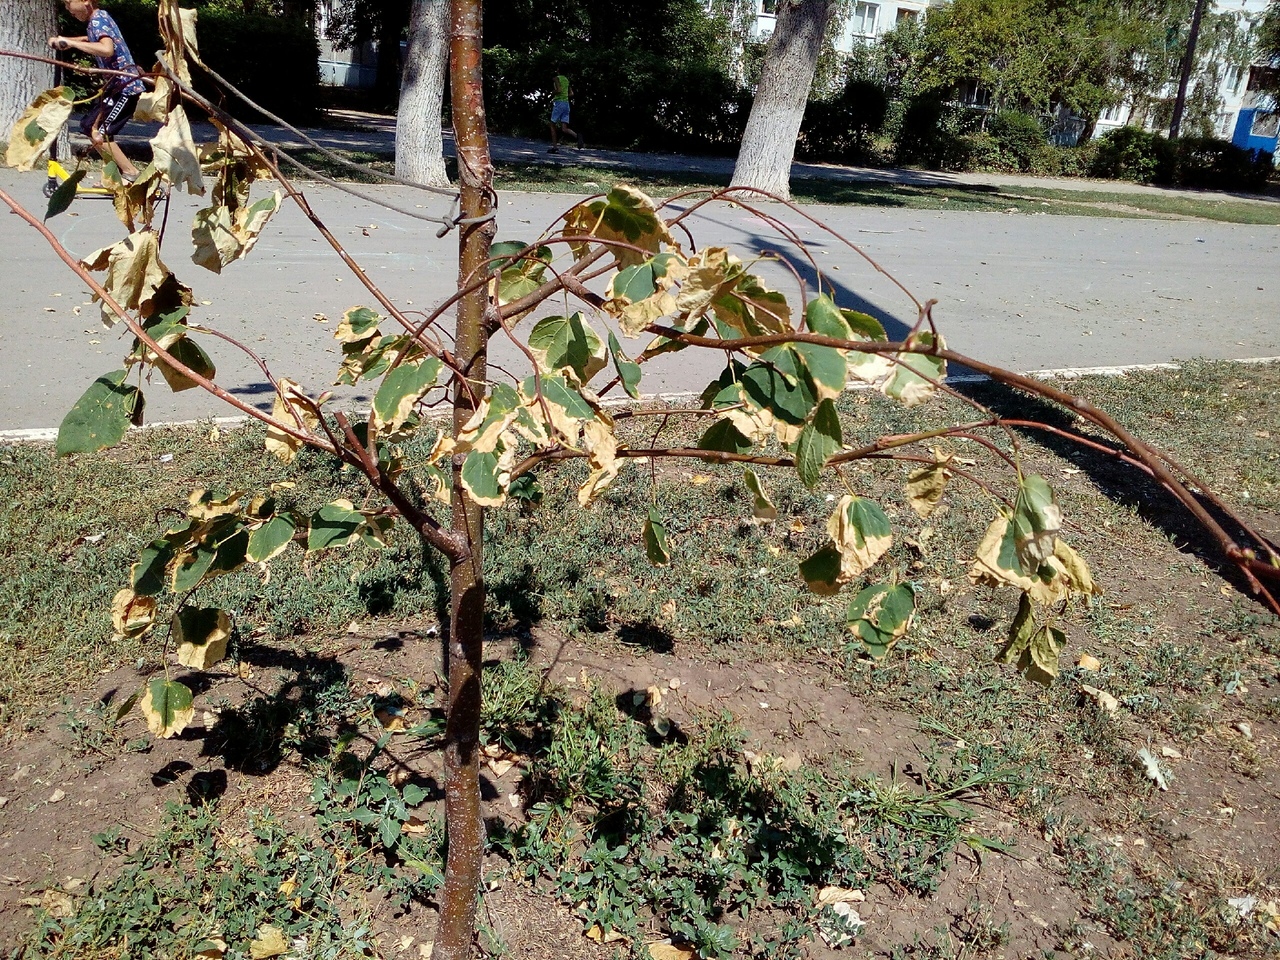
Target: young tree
x,y
623,262
419,143
769,143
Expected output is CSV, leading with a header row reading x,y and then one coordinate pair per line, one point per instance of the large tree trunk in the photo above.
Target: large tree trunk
x,y
419,144
24,27
476,317
769,142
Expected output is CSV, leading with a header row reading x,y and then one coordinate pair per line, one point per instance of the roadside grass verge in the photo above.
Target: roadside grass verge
x,y
576,178
639,821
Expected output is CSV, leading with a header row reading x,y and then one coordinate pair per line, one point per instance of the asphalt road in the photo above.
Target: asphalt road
x,y
1026,292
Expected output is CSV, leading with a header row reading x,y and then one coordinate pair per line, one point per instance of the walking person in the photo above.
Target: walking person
x,y
560,113
119,97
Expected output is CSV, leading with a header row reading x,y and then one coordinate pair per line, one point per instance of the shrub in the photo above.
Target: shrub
x,y
841,128
1132,154
1019,136
1214,164
933,133
273,60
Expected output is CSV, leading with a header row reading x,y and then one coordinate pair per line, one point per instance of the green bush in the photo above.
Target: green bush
x,y
272,60
1213,164
1132,154
933,133
841,128
1019,136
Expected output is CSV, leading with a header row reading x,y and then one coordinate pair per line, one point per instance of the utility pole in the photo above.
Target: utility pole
x,y
1188,62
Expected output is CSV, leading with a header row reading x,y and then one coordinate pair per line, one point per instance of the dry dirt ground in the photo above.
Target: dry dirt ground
x,y
56,795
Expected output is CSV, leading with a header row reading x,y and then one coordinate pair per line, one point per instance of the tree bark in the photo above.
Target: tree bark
x,y
769,142
476,317
24,28
419,143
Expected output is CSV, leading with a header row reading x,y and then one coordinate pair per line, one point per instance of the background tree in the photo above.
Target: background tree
x,y
419,142
382,22
1268,45
769,141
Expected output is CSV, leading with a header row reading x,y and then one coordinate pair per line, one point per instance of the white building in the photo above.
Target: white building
x,y
866,21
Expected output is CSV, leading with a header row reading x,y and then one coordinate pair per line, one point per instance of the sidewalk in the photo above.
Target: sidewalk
x,y
375,133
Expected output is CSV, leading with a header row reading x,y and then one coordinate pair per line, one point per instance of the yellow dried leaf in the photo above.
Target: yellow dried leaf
x,y
131,614
926,486
175,154
669,951
602,453
44,118
270,942
830,895
600,935
294,408
201,653
134,273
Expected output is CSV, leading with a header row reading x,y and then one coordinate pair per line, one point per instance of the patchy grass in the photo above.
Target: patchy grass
x,y
710,809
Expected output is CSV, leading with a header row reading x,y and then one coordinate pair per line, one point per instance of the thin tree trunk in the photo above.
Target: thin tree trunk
x,y
769,142
24,27
476,316
419,143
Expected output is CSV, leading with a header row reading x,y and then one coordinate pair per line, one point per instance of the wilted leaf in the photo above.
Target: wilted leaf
x,y
568,343
270,942
655,539
175,154
926,486
402,387
670,951
201,634
101,417
37,127
1034,646
910,379
167,705
294,408
136,276
880,615
1152,768
1103,699
600,935
602,448
861,532
1036,521
132,615
830,895
625,215
762,507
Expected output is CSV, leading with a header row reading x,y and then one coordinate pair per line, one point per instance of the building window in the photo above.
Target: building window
x,y
769,7
1265,124
1112,113
904,15
865,16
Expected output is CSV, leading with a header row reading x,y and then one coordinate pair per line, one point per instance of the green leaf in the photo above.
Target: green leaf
x,y
567,343
725,437
762,507
821,571
523,277
628,371
33,133
148,573
880,615
822,316
335,524
358,324
481,477
389,831
864,326
819,441
907,381
826,368
231,551
167,705
526,489
101,417
413,794
270,539
655,539
777,383
402,387
191,354
192,566
1036,521
640,282
65,193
